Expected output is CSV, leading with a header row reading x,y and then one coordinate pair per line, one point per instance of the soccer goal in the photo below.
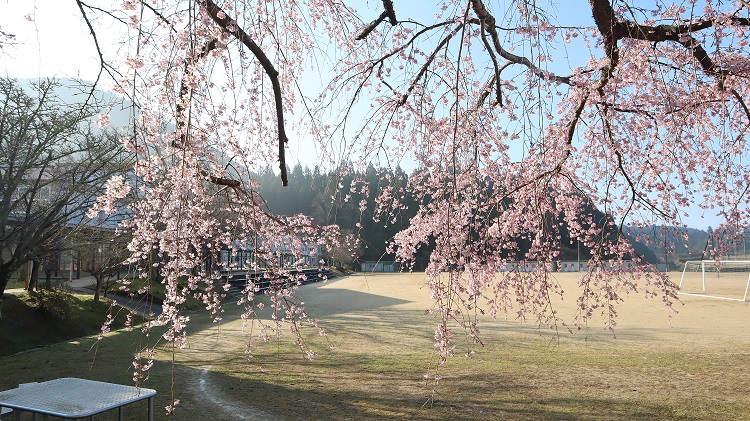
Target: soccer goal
x,y
722,279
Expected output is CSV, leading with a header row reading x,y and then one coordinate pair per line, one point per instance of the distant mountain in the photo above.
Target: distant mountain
x,y
648,254
72,92
654,238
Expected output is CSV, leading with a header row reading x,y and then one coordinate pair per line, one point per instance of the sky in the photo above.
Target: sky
x,y
53,41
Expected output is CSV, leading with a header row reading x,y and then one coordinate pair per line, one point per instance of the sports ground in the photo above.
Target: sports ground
x,y
378,362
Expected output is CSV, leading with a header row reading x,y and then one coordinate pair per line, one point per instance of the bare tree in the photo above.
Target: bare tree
x,y
6,39
107,250
53,165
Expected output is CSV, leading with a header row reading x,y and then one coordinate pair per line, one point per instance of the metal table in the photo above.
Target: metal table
x,y
71,398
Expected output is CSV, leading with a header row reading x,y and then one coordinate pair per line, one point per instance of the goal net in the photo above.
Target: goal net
x,y
723,279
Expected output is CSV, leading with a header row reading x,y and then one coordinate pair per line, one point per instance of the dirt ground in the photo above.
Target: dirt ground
x,y
678,360
697,319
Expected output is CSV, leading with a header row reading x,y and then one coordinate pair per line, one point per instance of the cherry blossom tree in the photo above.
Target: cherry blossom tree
x,y
518,116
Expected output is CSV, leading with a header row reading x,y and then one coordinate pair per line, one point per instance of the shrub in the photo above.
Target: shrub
x,y
52,303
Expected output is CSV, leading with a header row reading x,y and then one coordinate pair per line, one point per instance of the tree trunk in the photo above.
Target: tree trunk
x,y
99,275
34,276
47,278
5,273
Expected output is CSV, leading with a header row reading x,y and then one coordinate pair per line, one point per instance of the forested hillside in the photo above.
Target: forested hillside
x,y
318,195
347,198
661,238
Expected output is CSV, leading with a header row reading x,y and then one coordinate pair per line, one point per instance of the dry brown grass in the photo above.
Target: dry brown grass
x,y
379,349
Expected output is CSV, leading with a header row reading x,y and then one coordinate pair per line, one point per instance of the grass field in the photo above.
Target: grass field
x,y
379,350
45,317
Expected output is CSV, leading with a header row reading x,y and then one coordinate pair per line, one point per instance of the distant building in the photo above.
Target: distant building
x,y
573,266
243,257
48,204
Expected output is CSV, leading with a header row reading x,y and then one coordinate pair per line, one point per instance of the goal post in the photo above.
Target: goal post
x,y
721,279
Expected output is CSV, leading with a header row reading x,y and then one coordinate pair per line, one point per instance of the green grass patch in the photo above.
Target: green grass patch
x,y
155,292
32,320
567,382
15,284
503,384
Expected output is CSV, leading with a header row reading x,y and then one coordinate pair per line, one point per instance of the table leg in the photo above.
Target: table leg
x,y
119,413
17,414
151,408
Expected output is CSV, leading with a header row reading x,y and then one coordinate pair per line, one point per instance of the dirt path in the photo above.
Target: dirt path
x,y
210,394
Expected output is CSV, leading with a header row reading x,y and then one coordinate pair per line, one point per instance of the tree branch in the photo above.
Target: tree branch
x,y
488,23
387,13
159,15
182,120
102,63
185,90
498,82
606,22
427,63
227,24
371,27
742,102
388,6
613,29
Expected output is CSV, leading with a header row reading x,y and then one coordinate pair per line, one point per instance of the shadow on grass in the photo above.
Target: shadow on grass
x,y
108,361
489,397
32,320
350,387
333,301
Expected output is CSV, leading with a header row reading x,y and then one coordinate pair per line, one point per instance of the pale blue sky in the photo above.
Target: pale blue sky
x,y
54,41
